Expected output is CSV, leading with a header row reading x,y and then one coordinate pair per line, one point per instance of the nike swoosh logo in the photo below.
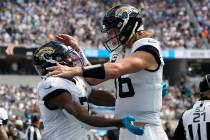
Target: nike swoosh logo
x,y
48,87
150,41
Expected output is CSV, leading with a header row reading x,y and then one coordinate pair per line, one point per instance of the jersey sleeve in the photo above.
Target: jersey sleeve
x,y
180,133
50,85
145,42
151,46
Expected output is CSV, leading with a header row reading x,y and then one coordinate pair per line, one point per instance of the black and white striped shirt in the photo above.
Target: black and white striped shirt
x,y
33,133
195,123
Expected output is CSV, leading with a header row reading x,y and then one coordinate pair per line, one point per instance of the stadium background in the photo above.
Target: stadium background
x,y
182,26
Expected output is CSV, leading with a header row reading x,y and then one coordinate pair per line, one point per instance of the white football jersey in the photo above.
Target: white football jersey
x,y
196,121
140,94
3,115
58,125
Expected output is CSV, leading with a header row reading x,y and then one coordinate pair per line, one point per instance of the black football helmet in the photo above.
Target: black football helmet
x,y
126,21
204,85
52,52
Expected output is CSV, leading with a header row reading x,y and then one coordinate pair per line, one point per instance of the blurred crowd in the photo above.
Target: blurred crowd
x,y
176,23
201,10
21,104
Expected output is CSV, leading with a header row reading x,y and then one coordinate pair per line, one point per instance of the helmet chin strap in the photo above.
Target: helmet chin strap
x,y
124,23
133,31
141,28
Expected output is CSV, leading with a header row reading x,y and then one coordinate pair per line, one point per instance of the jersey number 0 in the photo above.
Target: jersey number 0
x,y
125,82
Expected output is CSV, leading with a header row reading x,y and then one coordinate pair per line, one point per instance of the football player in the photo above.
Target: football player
x,y
3,122
63,103
136,64
195,122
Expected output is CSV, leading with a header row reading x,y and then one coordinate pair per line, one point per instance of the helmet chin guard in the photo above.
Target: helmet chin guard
x,y
75,58
111,45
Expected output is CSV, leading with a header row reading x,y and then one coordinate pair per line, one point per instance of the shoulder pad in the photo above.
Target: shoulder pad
x,y
145,41
51,84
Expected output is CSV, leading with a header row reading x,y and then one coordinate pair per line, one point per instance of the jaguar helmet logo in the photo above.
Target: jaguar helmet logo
x,y
45,52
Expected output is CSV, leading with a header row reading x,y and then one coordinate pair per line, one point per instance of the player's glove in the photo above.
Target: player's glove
x,y
164,89
127,123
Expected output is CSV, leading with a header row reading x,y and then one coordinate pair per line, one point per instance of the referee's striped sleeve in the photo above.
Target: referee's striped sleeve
x,y
180,133
36,134
33,133
28,134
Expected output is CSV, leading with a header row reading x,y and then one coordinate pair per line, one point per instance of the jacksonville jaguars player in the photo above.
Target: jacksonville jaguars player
x,y
63,103
136,64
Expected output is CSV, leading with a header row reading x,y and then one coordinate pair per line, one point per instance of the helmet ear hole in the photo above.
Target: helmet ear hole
x,y
124,15
46,56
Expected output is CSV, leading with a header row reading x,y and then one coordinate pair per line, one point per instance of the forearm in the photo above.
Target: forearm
x,y
100,72
113,70
95,121
93,81
98,121
127,65
74,109
101,98
3,134
90,81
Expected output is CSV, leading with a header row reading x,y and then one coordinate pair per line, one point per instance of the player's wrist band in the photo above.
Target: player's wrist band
x,y
84,58
94,71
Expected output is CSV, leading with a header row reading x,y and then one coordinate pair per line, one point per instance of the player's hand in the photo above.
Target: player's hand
x,y
127,123
64,71
69,41
164,89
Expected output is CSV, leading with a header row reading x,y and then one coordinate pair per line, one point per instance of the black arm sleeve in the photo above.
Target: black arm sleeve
x,y
152,50
180,133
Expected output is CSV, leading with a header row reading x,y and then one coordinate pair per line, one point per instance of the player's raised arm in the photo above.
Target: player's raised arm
x,y
138,61
71,41
96,74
